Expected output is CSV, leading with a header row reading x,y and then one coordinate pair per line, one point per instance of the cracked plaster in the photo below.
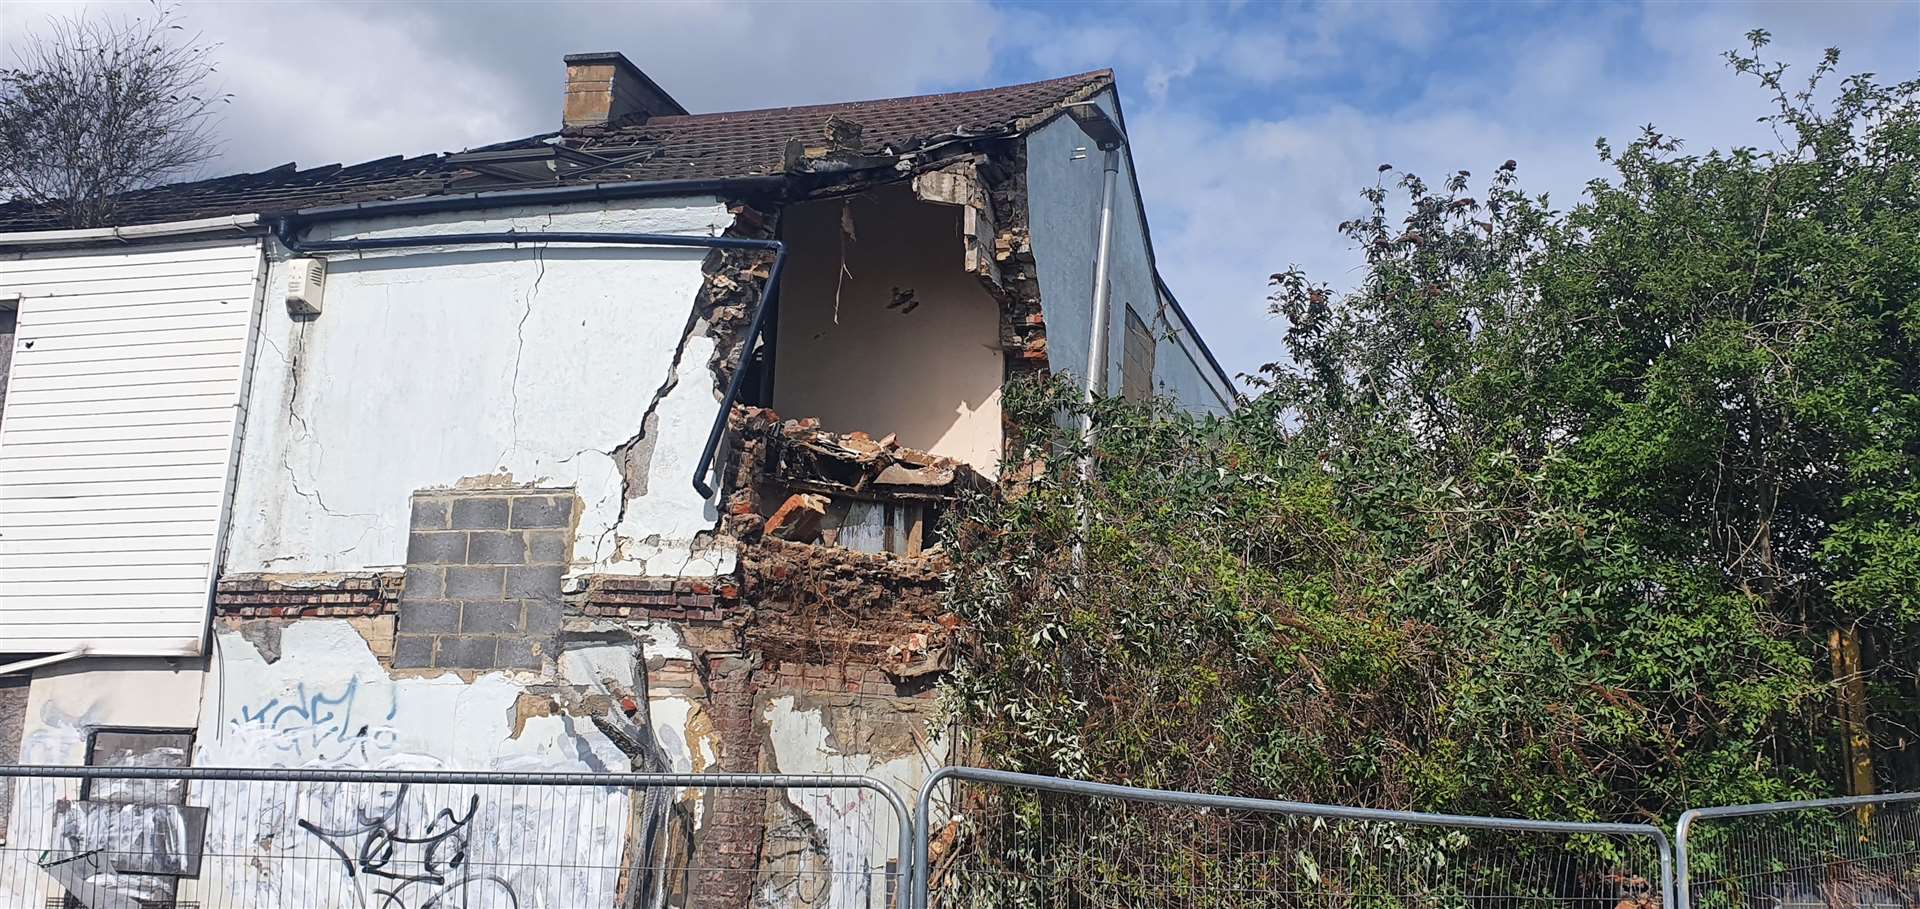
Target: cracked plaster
x,y
421,370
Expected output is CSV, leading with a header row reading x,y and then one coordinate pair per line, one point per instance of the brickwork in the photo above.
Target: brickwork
x,y
482,587
729,848
307,595
1023,327
658,598
13,721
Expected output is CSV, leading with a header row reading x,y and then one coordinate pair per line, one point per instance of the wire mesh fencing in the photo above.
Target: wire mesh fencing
x,y
1824,854
209,838
991,839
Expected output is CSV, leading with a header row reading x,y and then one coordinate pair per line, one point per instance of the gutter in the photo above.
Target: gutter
x,y
590,192
222,224
618,189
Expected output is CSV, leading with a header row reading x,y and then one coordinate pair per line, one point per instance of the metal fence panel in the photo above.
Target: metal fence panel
x,y
1822,854
212,838
994,839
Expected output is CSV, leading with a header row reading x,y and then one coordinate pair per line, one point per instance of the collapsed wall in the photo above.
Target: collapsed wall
x,y
540,621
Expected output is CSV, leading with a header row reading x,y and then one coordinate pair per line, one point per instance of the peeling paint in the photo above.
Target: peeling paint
x,y
442,328
855,833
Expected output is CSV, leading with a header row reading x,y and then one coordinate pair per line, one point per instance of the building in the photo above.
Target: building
x,y
275,495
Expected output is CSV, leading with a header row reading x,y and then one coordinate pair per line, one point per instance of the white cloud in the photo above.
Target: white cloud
x,y
1236,193
1254,126
320,83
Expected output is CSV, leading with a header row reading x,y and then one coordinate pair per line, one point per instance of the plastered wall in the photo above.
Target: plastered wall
x,y
490,365
1064,216
883,331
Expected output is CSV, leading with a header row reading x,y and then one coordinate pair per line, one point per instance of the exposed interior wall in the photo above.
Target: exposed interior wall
x,y
1064,209
491,365
882,330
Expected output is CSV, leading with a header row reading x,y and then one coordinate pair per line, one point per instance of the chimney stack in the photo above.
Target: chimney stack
x,y
606,88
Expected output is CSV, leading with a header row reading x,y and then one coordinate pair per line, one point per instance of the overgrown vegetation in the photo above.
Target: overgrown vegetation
x,y
1584,514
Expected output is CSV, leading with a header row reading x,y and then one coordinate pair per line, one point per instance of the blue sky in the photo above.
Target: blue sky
x,y
1254,125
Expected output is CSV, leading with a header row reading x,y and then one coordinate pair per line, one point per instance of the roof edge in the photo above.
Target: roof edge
x,y
1153,256
1099,78
219,224
630,189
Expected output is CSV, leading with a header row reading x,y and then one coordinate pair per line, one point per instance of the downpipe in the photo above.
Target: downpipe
x,y
1096,380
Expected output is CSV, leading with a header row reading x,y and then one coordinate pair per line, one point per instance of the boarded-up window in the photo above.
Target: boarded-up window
x,y
127,842
125,394
1136,365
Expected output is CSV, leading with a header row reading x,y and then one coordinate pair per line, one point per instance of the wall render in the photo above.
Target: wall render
x,y
494,365
1064,210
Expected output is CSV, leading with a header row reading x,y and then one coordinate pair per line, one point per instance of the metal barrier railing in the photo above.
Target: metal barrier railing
x,y
212,838
208,838
1009,839
1840,853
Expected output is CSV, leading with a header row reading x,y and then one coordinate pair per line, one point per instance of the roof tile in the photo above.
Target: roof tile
x,y
694,146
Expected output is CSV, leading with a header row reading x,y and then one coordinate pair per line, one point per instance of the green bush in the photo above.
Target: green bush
x,y
1554,516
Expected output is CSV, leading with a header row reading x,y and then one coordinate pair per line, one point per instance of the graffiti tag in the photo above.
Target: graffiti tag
x,y
399,865
323,727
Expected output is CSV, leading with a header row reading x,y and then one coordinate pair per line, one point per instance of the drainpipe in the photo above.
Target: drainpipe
x,y
37,662
286,230
1102,294
1106,134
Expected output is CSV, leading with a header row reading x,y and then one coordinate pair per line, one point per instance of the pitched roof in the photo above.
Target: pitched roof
x,y
691,147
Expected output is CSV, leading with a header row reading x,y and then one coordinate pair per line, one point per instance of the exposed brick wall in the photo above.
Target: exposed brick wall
x,y
307,595
657,598
728,850
617,596
1023,328
13,721
482,587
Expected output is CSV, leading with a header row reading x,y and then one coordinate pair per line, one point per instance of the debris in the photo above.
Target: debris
x,y
798,518
859,494
916,656
902,475
864,444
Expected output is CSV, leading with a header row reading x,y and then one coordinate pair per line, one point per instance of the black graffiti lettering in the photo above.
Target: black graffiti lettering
x,y
378,846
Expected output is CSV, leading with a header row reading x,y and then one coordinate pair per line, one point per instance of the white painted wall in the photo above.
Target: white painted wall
x,y
1063,197
433,365
327,702
65,703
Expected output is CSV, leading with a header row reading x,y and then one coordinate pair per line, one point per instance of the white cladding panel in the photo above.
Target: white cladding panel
x,y
117,442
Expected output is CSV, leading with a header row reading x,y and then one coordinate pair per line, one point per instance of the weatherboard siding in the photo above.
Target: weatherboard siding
x,y
117,442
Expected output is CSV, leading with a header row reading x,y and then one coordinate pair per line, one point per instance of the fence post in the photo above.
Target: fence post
x,y
1683,890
